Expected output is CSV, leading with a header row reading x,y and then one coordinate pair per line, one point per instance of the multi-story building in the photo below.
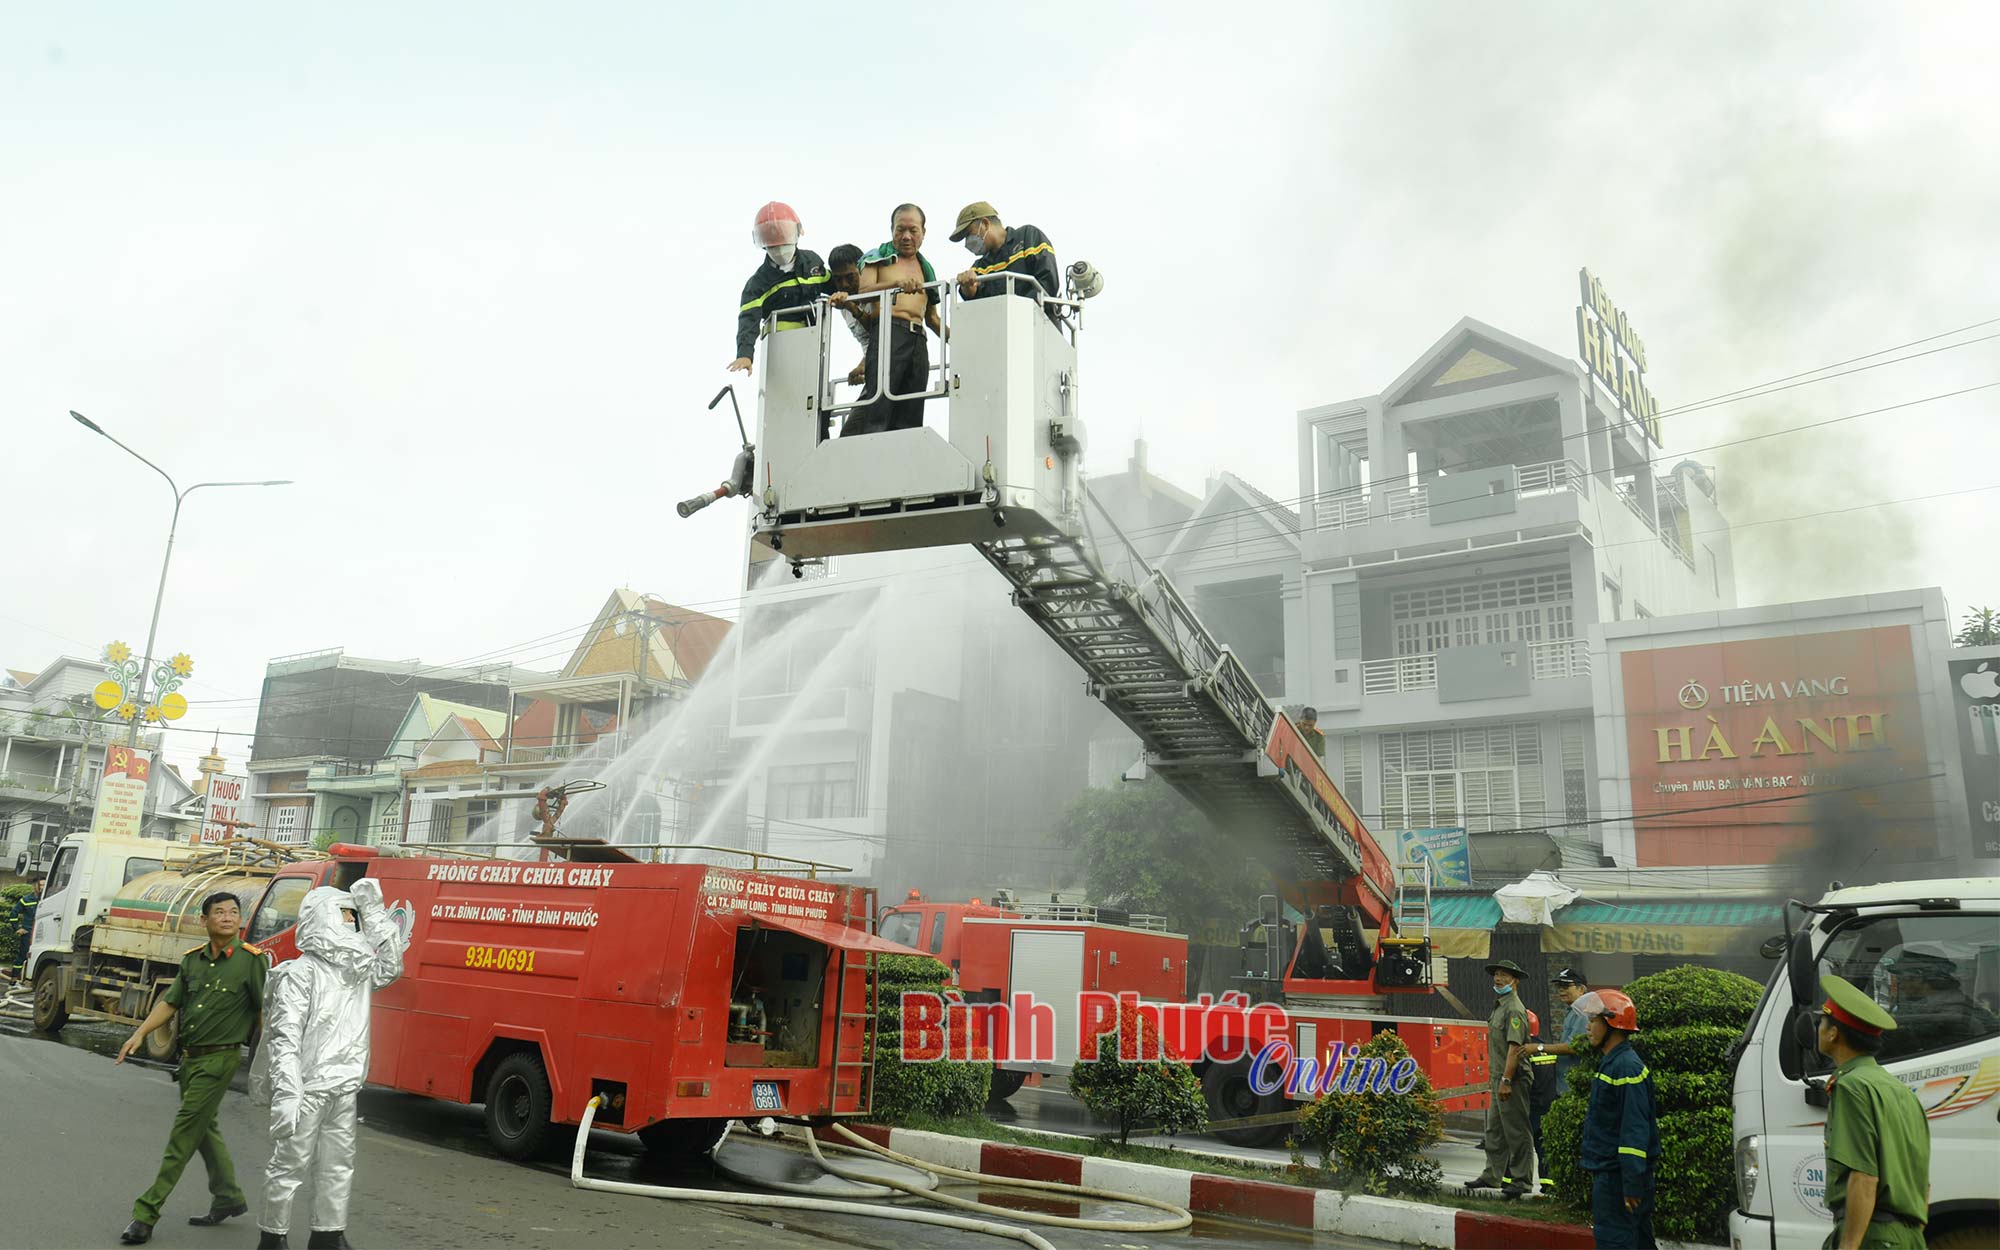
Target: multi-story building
x,y
1460,533
326,717
894,714
52,749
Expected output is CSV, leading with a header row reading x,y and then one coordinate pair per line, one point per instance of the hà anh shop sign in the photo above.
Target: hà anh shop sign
x,y
1612,349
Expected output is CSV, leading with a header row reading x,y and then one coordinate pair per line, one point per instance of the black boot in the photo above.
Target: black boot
x,y
334,1240
137,1233
267,1240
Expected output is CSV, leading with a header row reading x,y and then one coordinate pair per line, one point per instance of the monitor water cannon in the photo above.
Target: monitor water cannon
x,y
1084,280
741,472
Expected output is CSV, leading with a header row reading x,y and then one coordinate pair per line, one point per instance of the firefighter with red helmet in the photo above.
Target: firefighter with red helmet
x,y
1621,1132
790,277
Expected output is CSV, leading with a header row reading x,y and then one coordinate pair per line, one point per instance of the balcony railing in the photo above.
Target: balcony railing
x,y
1670,535
1631,498
1399,673
1565,657
1550,476
1340,510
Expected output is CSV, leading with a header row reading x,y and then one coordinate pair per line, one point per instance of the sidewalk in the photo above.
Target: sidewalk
x,y
1269,1202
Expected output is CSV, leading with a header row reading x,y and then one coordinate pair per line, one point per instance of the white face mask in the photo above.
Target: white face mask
x,y
782,255
976,242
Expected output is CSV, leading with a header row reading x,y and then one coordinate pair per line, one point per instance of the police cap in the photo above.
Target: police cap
x,y
1851,1007
1568,976
1909,962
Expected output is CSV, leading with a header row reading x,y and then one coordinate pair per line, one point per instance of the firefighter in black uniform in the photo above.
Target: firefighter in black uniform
x,y
997,249
790,277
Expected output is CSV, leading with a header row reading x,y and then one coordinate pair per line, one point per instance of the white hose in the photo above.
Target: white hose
x,y
1179,1217
787,1201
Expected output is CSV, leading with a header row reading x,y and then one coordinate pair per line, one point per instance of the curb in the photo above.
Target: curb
x,y
1267,1202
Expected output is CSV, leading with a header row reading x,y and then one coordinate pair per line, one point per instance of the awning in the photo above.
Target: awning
x,y
1462,925
825,932
1657,928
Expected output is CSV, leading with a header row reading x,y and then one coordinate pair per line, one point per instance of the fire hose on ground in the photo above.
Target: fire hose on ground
x,y
1179,1216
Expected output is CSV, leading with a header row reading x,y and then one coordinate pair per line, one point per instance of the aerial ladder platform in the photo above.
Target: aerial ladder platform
x,y
998,465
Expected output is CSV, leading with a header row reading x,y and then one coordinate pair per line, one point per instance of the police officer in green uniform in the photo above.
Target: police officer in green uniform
x,y
1878,1143
1509,1140
219,994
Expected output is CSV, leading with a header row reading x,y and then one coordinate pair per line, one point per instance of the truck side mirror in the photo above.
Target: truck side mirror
x,y
1802,972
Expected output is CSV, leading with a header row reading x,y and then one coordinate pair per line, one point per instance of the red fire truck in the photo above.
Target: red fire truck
x,y
683,995
1052,950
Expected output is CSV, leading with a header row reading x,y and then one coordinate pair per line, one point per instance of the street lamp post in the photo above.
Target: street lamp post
x,y
159,595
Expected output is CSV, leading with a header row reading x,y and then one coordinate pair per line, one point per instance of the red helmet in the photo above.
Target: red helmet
x,y
776,226
1613,1005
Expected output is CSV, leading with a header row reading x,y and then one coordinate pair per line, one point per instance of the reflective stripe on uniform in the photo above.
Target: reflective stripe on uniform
x,y
775,288
1634,1151
1623,1080
1023,254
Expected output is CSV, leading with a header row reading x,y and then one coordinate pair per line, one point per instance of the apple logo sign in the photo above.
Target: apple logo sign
x,y
1981,683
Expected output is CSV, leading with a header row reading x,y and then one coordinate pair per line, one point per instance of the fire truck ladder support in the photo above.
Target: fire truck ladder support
x,y
862,1023
1151,661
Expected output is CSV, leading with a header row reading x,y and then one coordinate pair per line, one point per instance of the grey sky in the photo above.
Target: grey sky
x,y
469,272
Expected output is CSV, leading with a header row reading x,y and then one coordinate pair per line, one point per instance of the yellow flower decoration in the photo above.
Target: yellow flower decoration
x,y
127,710
117,653
152,716
182,664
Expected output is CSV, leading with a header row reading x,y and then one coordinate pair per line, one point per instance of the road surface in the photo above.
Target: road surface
x,y
83,1137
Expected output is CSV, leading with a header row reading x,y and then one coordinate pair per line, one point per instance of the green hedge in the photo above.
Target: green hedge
x,y
1686,1047
942,1088
1691,995
1688,1018
1376,1142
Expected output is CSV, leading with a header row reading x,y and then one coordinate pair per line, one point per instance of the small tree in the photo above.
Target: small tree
x,y
1156,1091
940,1088
1376,1141
1980,629
1688,1018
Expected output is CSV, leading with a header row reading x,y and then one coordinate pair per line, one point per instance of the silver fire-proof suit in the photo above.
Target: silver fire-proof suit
x,y
314,1056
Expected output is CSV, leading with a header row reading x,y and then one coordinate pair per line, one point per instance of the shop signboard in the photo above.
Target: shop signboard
x,y
227,807
1733,744
1445,850
1975,705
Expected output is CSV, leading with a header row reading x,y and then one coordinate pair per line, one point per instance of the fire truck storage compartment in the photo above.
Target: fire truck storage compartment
x,y
775,1004
1050,965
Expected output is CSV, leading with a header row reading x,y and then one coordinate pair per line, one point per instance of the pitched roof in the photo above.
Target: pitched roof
x,y
693,637
473,730
446,768
438,711
1272,508
21,677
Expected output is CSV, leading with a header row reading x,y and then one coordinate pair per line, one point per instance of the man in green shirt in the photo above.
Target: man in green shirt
x,y
1878,1143
219,995
1509,1140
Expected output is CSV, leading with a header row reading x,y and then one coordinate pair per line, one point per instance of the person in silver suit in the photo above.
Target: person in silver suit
x,y
314,1056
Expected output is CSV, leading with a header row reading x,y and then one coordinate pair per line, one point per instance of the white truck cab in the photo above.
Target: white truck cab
x,y
81,883
1946,1048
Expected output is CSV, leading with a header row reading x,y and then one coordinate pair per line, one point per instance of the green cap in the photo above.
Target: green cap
x,y
970,213
1506,965
1910,962
1853,1008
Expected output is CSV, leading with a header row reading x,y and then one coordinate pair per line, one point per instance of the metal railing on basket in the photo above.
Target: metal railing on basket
x,y
819,324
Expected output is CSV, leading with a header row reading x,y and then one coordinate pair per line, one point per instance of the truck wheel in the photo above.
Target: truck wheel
x,y
1227,1088
1005,1085
517,1106
1966,1235
162,1042
682,1141
51,1013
